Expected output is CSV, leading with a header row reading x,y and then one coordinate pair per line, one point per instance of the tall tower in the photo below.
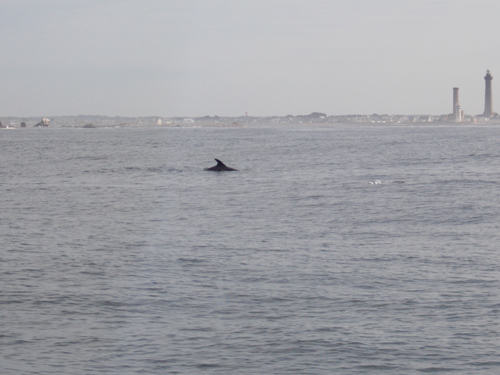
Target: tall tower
x,y
457,109
488,101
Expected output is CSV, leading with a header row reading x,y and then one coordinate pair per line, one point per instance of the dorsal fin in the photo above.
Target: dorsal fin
x,y
219,163
220,167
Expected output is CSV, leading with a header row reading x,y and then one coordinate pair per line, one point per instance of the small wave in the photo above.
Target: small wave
x,y
377,367
190,260
380,182
126,170
207,365
435,369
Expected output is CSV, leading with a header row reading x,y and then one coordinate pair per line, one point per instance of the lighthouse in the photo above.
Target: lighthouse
x,y
457,109
488,100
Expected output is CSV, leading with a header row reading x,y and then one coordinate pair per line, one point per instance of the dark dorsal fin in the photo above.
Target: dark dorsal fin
x,y
220,167
219,163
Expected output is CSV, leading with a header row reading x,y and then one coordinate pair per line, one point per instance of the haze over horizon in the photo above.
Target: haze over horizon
x,y
228,58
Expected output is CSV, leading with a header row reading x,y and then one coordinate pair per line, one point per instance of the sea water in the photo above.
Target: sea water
x,y
347,249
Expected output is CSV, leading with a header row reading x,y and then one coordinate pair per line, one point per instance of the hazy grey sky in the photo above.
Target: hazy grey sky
x,y
228,57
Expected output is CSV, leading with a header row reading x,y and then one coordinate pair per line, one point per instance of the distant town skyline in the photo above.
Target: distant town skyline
x,y
226,58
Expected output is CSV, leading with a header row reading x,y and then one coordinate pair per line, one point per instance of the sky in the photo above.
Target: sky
x,y
236,57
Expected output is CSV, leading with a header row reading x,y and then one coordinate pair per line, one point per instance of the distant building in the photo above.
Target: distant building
x,y
457,109
488,99
44,122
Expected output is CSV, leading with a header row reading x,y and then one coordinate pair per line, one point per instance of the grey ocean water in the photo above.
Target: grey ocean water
x,y
341,250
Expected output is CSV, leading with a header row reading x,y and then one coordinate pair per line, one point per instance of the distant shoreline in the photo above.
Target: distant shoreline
x,y
315,118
